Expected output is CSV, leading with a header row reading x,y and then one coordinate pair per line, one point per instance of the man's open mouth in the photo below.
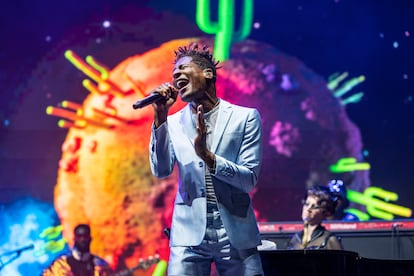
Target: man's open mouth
x,y
181,83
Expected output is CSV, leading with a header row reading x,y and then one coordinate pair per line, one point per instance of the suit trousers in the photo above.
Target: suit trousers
x,y
215,248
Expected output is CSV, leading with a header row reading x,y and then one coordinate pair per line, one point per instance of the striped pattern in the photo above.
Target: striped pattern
x,y
210,194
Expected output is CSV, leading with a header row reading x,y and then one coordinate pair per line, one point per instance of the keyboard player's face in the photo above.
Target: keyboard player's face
x,y
312,212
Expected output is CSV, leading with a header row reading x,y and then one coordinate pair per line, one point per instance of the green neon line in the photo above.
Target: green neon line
x,y
377,207
247,16
349,85
381,193
349,164
334,81
361,215
203,17
92,62
224,27
353,99
160,269
222,43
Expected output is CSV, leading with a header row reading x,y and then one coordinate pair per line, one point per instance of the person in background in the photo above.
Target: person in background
x,y
80,262
318,204
338,189
217,147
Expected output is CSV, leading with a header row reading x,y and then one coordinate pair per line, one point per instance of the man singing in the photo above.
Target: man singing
x,y
218,149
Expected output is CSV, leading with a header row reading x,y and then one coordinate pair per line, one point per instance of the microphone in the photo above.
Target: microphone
x,y
167,232
29,247
305,234
152,98
20,250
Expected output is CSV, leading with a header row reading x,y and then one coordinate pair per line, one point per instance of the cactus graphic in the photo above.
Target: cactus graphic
x,y
224,27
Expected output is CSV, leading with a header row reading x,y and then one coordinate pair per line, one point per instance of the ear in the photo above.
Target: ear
x,y
208,73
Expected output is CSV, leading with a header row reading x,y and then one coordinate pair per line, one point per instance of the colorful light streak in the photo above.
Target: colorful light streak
x,y
77,121
96,71
73,113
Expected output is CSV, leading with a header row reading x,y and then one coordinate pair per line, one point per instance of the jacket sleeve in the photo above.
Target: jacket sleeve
x,y
334,243
162,158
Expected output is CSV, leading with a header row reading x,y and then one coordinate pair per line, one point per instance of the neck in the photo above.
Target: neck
x,y
209,101
312,227
80,256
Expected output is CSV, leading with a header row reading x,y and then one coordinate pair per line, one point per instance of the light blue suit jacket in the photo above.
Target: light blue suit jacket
x,y
237,144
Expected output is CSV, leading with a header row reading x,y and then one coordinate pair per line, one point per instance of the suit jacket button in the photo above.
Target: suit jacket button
x,y
200,164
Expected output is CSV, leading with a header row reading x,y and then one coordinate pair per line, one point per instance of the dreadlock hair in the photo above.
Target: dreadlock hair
x,y
200,56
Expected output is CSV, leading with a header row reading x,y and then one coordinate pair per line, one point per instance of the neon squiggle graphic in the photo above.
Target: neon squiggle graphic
x,y
340,90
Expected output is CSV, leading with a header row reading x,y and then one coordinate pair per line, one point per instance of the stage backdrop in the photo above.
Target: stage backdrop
x,y
333,95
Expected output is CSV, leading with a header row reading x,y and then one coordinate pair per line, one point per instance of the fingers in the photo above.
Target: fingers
x,y
165,90
169,93
173,92
200,141
201,127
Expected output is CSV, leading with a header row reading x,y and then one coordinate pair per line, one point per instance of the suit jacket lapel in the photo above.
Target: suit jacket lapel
x,y
223,118
187,124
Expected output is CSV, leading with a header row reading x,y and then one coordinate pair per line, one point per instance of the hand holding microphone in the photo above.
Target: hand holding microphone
x,y
151,98
164,92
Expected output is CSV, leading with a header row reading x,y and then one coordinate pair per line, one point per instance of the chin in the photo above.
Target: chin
x,y
187,97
